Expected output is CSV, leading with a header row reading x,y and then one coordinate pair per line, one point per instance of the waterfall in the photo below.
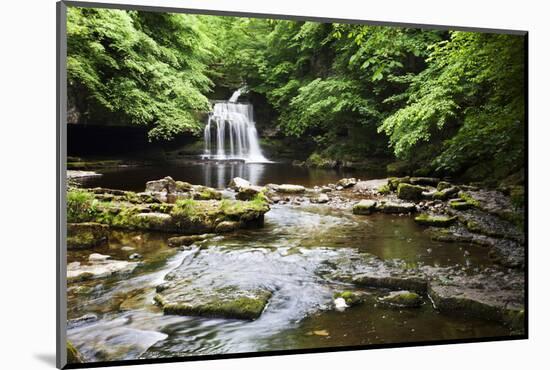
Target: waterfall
x,y
232,122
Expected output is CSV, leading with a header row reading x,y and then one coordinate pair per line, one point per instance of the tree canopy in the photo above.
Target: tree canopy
x,y
442,99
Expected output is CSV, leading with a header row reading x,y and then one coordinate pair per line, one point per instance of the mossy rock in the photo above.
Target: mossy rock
x,y
317,160
206,193
443,185
466,197
224,303
384,189
395,207
446,193
409,192
402,298
349,297
186,216
86,235
393,182
73,356
364,207
459,204
436,221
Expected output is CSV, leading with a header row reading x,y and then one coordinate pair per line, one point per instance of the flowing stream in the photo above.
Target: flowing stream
x,y
231,123
290,256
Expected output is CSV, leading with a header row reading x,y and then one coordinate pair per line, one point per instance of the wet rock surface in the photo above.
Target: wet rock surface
x,y
491,294
254,275
99,266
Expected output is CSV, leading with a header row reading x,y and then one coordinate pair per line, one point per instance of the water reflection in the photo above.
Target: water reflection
x,y
219,173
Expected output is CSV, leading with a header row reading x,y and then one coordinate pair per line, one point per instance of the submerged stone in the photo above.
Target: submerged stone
x,y
402,298
349,298
185,240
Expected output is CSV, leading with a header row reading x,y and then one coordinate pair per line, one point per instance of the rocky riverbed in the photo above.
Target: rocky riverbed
x,y
277,256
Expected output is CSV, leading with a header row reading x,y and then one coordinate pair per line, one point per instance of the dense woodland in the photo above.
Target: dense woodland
x,y
444,102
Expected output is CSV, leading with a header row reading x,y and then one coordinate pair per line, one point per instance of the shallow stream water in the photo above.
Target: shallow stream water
x,y
290,256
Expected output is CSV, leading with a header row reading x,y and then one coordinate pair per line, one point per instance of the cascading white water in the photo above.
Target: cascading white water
x,y
241,132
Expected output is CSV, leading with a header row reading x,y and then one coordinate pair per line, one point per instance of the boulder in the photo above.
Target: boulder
x,y
402,298
238,182
165,185
409,192
347,182
249,192
364,207
206,193
290,189
320,198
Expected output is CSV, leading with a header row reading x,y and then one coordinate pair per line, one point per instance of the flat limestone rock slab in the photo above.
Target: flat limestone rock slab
x,y
228,302
98,269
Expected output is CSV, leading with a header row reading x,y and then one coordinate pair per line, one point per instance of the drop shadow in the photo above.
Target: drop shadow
x,y
46,358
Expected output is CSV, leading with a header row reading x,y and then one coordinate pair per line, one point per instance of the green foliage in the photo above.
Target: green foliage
x,y
448,102
471,95
81,206
137,67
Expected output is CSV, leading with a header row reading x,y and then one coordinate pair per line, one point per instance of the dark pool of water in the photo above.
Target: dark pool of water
x,y
218,174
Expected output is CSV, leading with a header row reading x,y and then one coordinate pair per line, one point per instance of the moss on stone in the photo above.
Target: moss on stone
x,y
73,356
437,221
468,199
459,204
409,192
384,189
241,307
403,299
349,297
